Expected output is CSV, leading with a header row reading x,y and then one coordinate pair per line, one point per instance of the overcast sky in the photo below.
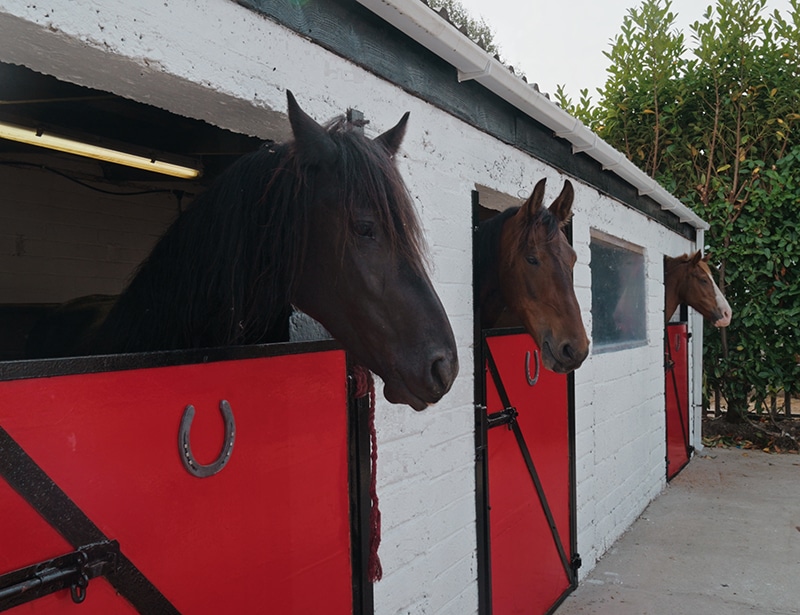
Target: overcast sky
x,y
562,41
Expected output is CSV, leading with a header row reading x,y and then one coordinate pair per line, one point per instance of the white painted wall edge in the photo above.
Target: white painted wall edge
x,y
421,23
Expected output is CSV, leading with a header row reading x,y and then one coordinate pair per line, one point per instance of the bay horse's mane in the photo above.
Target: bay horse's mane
x,y
490,235
524,277
242,281
544,218
489,240
491,230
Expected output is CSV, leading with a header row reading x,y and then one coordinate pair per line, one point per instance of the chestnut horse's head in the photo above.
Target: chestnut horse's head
x,y
533,274
688,279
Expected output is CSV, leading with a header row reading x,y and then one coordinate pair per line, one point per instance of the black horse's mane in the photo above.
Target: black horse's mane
x,y
225,271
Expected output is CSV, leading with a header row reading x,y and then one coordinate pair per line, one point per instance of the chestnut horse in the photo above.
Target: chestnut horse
x,y
688,279
524,277
324,223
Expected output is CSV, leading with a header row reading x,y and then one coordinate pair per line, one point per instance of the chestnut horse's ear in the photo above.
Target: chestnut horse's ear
x,y
313,146
696,257
562,206
534,202
392,138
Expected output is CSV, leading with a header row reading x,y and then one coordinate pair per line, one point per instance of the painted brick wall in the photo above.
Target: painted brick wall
x,y
231,67
619,395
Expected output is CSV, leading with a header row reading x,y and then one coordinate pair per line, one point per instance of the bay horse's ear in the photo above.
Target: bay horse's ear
x,y
392,138
562,206
313,145
534,202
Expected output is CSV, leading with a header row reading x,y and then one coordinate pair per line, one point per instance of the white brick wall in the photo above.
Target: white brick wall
x,y
619,396
230,67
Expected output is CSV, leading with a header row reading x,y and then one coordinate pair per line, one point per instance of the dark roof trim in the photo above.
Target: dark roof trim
x,y
369,41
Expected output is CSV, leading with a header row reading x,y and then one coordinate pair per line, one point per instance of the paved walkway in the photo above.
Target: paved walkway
x,y
723,539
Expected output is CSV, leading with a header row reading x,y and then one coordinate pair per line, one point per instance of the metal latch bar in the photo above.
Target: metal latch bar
x,y
70,571
506,416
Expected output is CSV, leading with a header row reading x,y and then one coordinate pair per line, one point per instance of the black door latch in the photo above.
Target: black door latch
x,y
72,571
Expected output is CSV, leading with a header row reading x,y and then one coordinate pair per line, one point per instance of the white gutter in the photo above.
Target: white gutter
x,y
421,23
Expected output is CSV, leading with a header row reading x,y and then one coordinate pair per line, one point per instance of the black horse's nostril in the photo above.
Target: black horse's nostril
x,y
438,373
443,372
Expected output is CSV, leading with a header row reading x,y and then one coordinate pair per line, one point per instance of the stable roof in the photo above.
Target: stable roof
x,y
418,21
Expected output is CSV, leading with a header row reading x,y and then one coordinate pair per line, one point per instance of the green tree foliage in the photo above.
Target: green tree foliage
x,y
719,127
477,29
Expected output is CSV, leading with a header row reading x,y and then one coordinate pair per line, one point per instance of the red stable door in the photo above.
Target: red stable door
x,y
679,448
96,458
529,475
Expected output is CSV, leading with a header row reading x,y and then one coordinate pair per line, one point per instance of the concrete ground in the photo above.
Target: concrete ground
x,y
723,539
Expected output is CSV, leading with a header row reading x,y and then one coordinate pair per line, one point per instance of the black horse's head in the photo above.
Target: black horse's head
x,y
363,273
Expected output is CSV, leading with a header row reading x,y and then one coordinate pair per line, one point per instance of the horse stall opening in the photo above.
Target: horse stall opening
x,y
525,466
75,226
180,481
193,515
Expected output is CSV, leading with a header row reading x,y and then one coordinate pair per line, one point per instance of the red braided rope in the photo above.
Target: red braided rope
x,y
365,385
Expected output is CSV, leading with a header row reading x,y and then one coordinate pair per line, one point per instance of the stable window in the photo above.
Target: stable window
x,y
618,294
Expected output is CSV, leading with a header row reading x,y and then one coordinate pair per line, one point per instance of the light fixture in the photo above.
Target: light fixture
x,y
40,138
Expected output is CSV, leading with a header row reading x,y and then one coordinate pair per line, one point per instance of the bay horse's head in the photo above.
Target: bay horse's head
x,y
688,279
534,264
363,273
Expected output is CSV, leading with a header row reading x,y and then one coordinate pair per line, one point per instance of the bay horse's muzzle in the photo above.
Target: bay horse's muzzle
x,y
566,356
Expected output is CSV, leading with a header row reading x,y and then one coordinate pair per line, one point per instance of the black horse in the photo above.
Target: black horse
x,y
324,223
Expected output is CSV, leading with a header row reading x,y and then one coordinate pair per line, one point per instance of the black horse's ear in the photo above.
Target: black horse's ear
x,y
534,202
392,138
313,145
562,206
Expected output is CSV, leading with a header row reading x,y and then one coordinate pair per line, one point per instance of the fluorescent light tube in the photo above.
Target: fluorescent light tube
x,y
70,146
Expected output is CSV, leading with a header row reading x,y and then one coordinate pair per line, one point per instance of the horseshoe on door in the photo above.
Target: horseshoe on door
x,y
535,379
187,457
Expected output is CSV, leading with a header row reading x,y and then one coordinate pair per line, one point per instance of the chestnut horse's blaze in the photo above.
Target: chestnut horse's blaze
x,y
688,279
324,223
525,277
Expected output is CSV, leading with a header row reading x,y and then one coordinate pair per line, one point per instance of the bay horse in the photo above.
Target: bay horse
x,y
324,223
524,274
688,279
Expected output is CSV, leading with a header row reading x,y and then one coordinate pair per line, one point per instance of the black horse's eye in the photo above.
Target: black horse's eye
x,y
532,259
364,228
